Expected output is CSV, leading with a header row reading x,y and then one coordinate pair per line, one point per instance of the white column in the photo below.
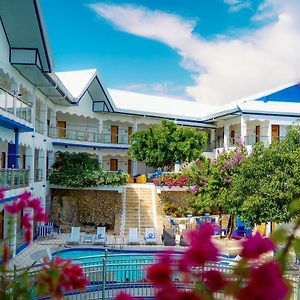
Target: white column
x,y
243,129
226,136
43,163
100,131
269,134
100,158
12,224
29,211
134,162
44,116
29,152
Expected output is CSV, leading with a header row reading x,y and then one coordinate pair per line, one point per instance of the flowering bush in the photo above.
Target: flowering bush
x,y
256,276
171,180
56,276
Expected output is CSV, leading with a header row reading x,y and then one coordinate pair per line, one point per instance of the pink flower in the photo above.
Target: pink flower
x,y
28,236
123,296
214,280
34,203
265,283
159,273
255,246
26,221
12,209
202,249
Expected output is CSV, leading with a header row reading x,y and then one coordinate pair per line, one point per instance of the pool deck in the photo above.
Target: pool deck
x,y
23,259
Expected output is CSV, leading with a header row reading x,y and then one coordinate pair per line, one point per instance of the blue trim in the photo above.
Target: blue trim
x,y
272,114
9,199
21,248
88,146
12,124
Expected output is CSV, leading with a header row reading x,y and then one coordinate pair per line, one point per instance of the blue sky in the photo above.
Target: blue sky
x,y
192,49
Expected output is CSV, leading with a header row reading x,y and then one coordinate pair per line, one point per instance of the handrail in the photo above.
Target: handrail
x,y
14,178
15,96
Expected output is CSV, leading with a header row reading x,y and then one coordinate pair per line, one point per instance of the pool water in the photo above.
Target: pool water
x,y
121,267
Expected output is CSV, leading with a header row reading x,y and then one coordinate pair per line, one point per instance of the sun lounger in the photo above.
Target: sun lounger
x,y
75,236
40,255
150,236
133,236
100,236
168,237
184,241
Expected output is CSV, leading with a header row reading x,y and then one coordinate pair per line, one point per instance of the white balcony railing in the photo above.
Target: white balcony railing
x,y
88,136
14,105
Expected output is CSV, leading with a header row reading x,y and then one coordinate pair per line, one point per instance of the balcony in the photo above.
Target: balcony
x,y
88,136
14,178
39,126
14,105
38,175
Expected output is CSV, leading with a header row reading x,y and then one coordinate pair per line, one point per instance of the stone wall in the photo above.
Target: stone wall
x,y
85,208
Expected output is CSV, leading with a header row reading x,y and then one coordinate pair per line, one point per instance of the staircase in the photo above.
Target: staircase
x,y
139,208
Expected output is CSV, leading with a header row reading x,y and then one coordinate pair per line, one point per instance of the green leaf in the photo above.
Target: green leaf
x,y
279,236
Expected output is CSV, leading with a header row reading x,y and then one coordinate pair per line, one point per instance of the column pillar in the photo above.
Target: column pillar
x,y
12,234
226,136
212,142
134,162
243,130
44,112
43,163
269,133
29,211
100,137
29,152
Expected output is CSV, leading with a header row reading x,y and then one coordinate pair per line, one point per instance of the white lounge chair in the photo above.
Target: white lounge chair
x,y
40,255
100,236
150,236
75,236
133,236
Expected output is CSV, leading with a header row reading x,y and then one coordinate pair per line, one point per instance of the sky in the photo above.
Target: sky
x,y
210,51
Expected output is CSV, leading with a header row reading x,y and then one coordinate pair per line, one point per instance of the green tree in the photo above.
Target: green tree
x,y
267,182
161,146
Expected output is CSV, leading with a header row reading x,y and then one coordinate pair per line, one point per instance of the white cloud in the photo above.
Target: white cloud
x,y
237,5
224,69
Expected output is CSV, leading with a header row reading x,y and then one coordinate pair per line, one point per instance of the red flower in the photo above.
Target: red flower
x,y
265,283
123,296
12,209
214,280
255,246
202,249
58,276
159,274
28,236
171,293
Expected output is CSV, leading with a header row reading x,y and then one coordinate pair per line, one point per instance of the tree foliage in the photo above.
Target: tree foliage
x,y
161,146
82,170
267,182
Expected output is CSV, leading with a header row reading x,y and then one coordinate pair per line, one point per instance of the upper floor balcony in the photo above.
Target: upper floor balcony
x,y
14,178
14,105
89,135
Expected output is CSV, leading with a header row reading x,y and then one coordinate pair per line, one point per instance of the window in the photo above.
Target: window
x,y
100,106
114,164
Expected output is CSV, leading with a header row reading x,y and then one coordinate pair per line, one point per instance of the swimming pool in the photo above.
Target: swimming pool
x,y
120,266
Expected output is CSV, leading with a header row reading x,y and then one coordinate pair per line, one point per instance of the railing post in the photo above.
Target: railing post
x,y
12,179
104,276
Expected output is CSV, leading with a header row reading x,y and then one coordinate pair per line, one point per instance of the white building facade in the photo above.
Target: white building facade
x,y
43,112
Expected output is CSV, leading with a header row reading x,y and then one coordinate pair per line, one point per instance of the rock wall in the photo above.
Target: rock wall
x,y
85,208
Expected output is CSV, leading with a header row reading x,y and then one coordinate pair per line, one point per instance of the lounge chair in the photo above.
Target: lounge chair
x,y
40,255
74,236
150,236
168,237
100,236
133,236
184,241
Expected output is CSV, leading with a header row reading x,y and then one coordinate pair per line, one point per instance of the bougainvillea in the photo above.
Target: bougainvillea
x,y
55,278
191,275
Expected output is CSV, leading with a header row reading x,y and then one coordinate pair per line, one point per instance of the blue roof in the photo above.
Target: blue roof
x,y
289,94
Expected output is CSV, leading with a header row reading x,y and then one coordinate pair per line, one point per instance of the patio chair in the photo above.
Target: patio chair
x,y
74,236
133,236
168,237
184,241
101,237
150,236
